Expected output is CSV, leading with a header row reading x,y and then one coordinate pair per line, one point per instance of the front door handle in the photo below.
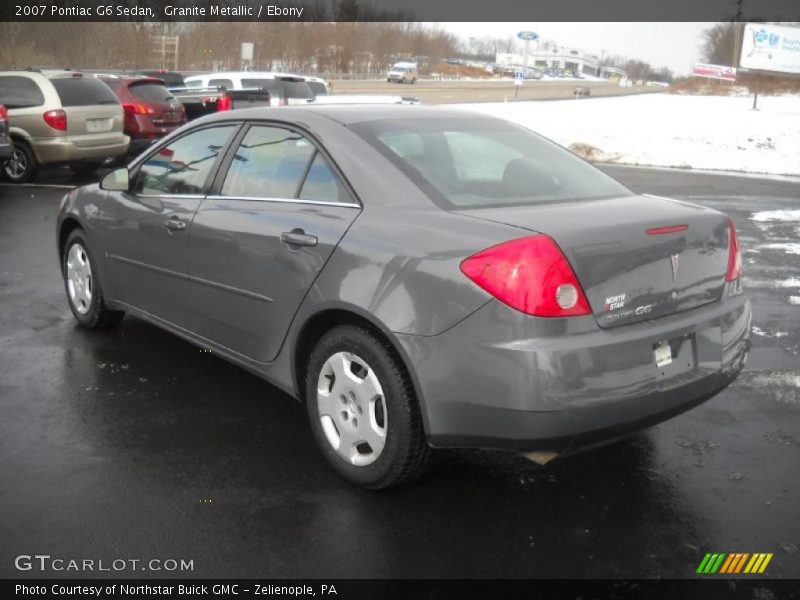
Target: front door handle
x,y
298,237
175,224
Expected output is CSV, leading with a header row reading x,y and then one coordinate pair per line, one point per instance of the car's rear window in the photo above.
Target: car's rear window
x,y
261,83
81,91
318,88
151,92
170,79
20,92
297,89
476,162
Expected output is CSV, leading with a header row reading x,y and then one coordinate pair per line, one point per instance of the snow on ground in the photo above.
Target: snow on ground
x,y
670,130
776,215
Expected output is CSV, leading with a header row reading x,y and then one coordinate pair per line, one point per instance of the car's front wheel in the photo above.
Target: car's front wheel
x,y
363,409
22,165
84,292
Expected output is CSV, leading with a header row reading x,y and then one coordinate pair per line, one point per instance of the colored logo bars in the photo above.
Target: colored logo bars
x,y
734,562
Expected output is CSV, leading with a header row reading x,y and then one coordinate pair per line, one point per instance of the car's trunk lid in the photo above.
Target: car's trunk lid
x,y
632,255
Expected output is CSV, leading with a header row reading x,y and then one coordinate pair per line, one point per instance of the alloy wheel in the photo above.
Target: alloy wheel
x,y
17,164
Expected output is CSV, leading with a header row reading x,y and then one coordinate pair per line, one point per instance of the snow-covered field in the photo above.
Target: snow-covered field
x,y
669,130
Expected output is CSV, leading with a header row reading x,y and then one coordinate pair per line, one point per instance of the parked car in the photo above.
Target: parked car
x,y
419,276
403,72
6,146
151,111
170,78
60,117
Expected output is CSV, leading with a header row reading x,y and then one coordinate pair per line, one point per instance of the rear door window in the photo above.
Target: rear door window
x,y
321,183
269,163
183,167
20,92
79,91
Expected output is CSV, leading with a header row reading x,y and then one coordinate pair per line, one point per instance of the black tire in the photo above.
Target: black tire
x,y
98,315
84,168
22,165
405,451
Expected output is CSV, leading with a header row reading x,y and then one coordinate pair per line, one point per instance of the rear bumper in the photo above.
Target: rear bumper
x,y
501,379
79,148
5,148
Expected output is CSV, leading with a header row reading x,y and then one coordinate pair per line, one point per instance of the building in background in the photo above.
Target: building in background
x,y
548,55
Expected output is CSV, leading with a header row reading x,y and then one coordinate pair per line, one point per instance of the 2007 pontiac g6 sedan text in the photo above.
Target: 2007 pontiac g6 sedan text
x,y
420,277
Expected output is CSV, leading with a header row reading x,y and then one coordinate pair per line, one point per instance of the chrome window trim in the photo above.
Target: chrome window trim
x,y
160,196
285,200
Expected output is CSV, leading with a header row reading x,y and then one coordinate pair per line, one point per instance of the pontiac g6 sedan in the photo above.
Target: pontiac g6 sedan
x,y
420,277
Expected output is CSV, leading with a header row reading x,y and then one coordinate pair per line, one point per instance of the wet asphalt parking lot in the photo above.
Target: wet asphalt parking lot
x,y
131,443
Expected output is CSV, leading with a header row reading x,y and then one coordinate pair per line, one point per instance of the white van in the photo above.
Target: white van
x,y
403,72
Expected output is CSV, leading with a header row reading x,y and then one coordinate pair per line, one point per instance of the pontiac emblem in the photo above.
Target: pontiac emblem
x,y
675,263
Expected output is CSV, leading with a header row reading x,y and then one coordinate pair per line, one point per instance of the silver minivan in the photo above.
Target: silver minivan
x,y
60,117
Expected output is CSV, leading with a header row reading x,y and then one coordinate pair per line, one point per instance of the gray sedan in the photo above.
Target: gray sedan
x,y
420,277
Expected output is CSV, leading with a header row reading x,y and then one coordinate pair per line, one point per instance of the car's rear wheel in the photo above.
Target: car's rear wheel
x,y
363,410
22,165
84,292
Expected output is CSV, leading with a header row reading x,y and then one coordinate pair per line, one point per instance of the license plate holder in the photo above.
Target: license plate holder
x,y
663,354
98,125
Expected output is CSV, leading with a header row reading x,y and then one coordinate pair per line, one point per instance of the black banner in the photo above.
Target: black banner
x,y
711,588
399,10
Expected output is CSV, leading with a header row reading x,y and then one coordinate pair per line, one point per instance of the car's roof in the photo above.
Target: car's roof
x,y
240,74
348,114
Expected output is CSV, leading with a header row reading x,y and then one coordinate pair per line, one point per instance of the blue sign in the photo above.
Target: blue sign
x,y
528,36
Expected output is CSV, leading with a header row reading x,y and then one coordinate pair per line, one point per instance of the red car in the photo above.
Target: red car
x,y
151,111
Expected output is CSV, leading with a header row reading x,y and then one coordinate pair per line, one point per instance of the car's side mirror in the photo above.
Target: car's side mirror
x,y
116,181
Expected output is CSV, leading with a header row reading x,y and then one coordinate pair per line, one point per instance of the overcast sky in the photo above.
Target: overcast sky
x,y
673,45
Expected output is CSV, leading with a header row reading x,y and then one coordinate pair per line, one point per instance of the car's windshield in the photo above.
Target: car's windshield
x,y
479,162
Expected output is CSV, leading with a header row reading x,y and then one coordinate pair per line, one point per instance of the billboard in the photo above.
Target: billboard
x,y
771,48
714,71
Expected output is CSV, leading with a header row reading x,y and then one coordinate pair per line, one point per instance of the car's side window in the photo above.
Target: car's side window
x,y
269,163
321,183
226,83
183,166
20,92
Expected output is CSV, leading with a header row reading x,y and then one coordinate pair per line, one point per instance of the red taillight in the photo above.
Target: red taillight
x,y
57,119
530,274
734,254
223,103
137,109
3,113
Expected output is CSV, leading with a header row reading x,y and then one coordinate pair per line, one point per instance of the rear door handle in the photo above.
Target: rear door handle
x,y
175,224
298,237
